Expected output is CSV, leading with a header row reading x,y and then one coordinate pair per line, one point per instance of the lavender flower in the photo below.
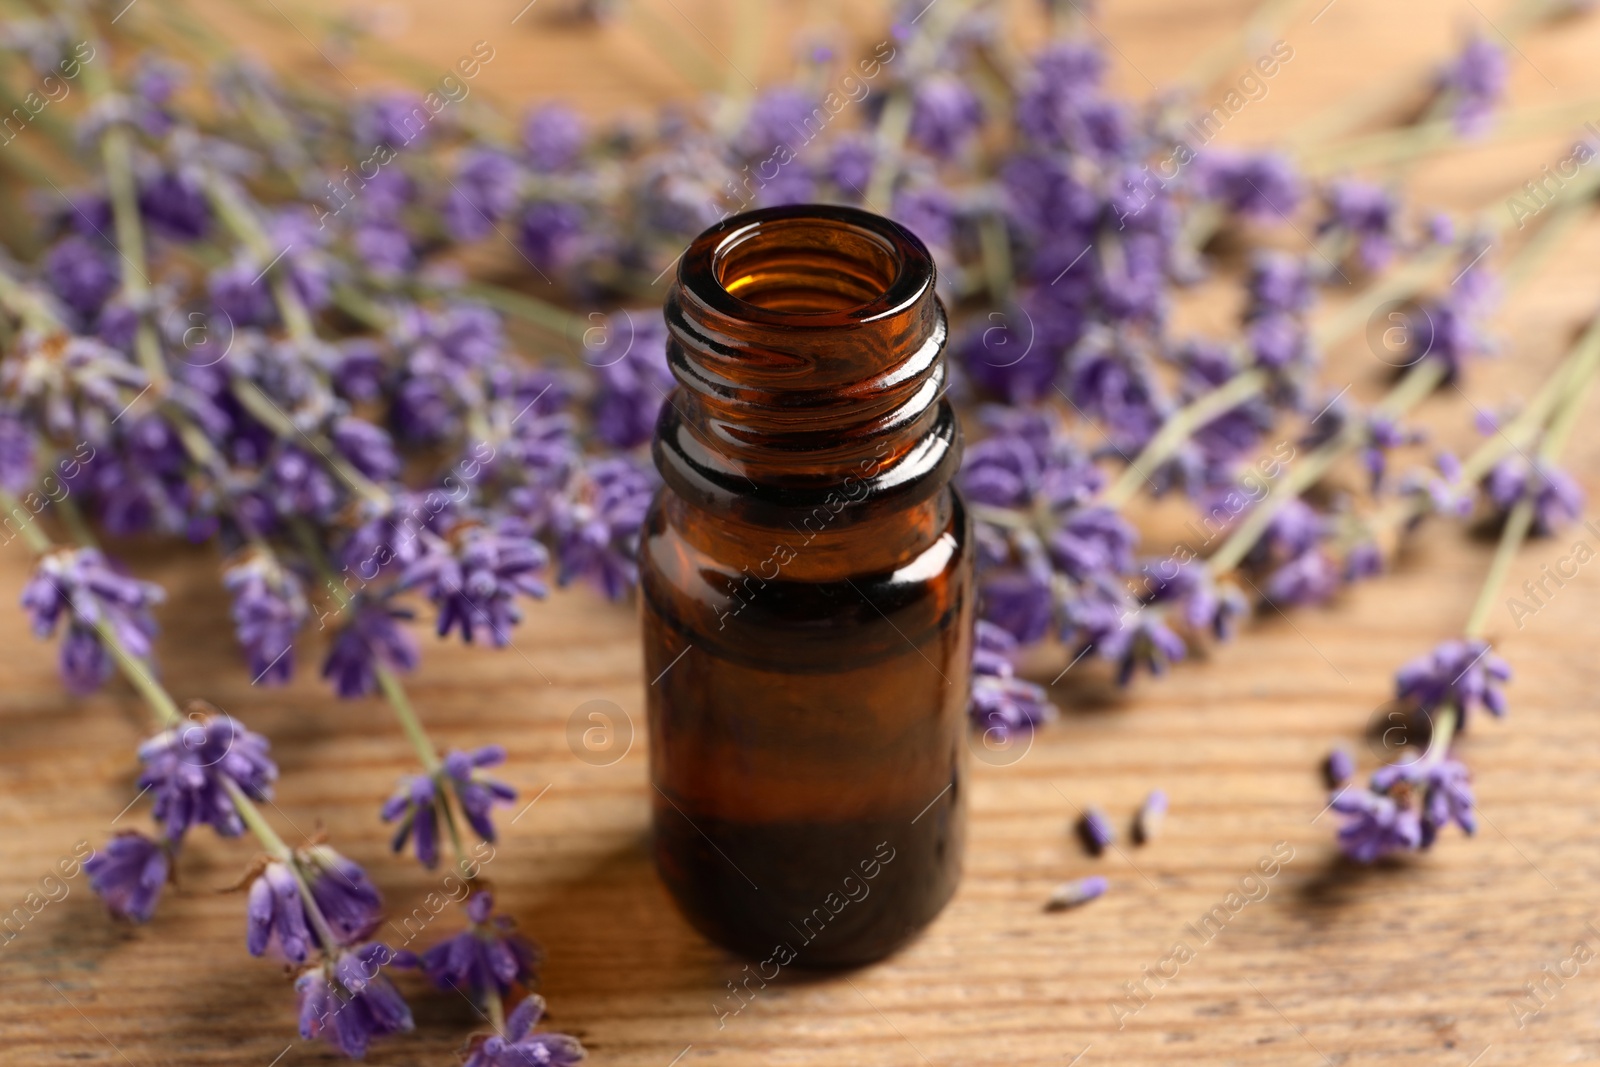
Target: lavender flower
x,y
1476,82
175,206
1312,577
549,233
82,275
484,191
129,874
189,767
269,607
277,915
487,957
1093,540
416,805
629,357
420,800
1260,185
1002,702
475,576
1441,787
374,636
348,1001
1458,674
597,528
476,793
552,137
80,585
1364,214
519,1046
1376,825
1557,497
347,899
944,115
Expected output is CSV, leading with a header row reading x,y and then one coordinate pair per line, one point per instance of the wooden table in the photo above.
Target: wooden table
x,y
1419,962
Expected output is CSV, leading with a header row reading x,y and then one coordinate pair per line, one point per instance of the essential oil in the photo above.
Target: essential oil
x,y
807,592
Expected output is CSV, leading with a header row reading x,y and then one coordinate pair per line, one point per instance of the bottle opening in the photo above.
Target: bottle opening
x,y
806,266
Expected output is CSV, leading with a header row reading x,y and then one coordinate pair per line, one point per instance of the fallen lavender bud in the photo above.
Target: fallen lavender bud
x,y
1338,768
1096,831
1071,894
1151,817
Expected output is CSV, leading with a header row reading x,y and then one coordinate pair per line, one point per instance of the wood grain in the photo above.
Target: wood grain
x,y
1414,963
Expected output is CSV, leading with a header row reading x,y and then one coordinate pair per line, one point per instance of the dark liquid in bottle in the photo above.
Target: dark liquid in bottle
x,y
807,593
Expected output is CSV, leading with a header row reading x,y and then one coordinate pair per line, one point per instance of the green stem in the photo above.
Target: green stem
x,y
1418,382
546,316
1520,522
1179,427
407,716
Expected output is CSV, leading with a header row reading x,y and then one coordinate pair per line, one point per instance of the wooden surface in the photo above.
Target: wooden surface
x,y
1413,963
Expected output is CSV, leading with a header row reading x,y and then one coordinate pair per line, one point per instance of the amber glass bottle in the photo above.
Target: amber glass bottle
x,y
807,592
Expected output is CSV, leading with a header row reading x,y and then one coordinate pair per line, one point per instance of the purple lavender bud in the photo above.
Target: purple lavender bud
x,y
597,526
1145,642
849,165
1448,330
1113,384
17,454
629,357
1257,185
80,585
129,874
385,248
175,206
1310,578
343,893
368,448
360,373
1366,214
1279,283
1096,830
240,293
1093,540
297,483
1375,825
1020,602
779,116
187,767
488,957
552,138
349,1001
1557,497
374,636
944,115
1338,768
416,805
1476,81
1051,107
82,276
269,607
276,915
518,1045
475,578
1279,342
927,211
1071,894
1151,817
484,191
394,119
550,232
1460,674
476,793
1001,702
1364,560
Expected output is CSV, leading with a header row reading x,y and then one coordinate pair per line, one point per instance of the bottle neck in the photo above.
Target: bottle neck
x,y
808,345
